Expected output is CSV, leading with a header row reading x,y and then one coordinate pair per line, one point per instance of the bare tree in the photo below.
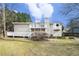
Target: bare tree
x,y
71,12
4,22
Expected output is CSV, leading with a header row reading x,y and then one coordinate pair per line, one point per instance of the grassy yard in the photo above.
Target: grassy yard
x,y
21,47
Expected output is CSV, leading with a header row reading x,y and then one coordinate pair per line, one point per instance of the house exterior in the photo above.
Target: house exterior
x,y
25,29
73,29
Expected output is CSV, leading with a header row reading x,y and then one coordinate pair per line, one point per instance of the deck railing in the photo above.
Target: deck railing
x,y
19,34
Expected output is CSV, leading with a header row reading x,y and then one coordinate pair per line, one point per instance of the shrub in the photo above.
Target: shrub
x,y
71,37
38,36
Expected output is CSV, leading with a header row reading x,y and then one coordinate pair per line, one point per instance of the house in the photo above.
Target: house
x,y
25,29
73,29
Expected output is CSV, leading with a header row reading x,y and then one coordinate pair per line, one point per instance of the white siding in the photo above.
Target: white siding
x,y
25,29
21,28
47,26
57,33
18,34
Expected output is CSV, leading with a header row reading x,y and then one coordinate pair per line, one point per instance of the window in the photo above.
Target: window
x,y
57,25
42,29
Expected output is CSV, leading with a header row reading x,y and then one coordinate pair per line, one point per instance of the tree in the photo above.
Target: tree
x,y
10,17
22,17
1,21
71,12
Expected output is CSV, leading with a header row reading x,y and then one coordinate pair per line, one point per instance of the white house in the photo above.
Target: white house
x,y
25,29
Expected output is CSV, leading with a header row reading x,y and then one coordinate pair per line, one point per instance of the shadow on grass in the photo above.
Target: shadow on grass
x,y
26,40
22,40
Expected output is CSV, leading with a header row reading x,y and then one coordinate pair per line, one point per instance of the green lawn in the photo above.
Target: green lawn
x,y
28,47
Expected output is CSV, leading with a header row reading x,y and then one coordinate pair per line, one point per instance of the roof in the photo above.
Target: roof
x,y
19,23
22,23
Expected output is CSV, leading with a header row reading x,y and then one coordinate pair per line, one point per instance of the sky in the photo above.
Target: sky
x,y
55,17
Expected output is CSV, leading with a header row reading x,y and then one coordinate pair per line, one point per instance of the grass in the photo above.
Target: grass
x,y
22,47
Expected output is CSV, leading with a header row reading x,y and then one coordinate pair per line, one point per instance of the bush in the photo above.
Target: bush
x,y
71,37
38,36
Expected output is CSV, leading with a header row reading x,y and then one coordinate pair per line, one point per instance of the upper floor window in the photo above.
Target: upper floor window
x,y
57,25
